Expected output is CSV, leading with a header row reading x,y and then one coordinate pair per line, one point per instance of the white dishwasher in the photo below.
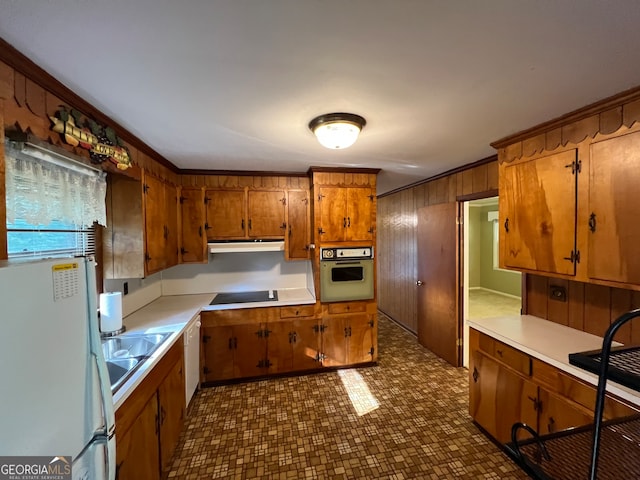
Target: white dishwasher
x,y
192,358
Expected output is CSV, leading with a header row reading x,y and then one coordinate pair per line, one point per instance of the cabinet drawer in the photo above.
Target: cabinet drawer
x,y
297,311
486,344
513,358
338,308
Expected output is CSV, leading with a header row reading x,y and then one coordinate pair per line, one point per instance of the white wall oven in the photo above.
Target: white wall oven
x,y
346,274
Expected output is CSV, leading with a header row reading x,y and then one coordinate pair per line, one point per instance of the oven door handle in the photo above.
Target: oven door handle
x,y
347,262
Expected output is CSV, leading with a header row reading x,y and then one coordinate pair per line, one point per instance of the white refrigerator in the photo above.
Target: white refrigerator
x,y
55,395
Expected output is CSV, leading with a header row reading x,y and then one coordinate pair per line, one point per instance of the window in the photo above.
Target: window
x,y
52,203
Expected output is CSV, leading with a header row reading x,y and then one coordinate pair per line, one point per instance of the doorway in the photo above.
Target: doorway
x,y
488,290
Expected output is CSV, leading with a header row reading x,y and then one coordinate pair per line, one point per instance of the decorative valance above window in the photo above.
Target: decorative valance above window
x,y
45,186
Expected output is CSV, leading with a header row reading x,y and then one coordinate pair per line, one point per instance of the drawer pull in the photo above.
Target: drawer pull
x,y
499,352
475,375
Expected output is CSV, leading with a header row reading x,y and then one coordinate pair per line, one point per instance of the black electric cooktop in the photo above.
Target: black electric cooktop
x,y
244,297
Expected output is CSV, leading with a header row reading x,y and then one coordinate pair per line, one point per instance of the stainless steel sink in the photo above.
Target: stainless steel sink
x,y
126,353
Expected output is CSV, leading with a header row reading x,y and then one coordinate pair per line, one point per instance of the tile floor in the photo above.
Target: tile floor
x,y
405,418
485,304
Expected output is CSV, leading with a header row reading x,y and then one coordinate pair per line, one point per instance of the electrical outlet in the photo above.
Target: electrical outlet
x,y
125,288
557,293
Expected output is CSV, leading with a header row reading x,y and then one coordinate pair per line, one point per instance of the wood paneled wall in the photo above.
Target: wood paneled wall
x,y
238,181
588,307
397,239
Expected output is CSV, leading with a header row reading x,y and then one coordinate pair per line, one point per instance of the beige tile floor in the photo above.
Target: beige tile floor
x,y
406,418
485,304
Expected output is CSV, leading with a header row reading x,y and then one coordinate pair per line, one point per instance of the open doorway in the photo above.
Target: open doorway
x,y
489,291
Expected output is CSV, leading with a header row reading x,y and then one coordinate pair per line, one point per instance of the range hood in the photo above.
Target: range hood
x,y
246,246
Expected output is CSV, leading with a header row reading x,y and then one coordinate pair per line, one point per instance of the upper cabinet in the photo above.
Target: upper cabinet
x,y
344,205
297,238
538,213
141,237
568,191
236,214
613,213
193,239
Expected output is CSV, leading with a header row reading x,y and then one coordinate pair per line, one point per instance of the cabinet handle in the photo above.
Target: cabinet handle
x,y
536,403
157,422
344,222
200,230
231,343
348,221
551,425
349,331
592,222
499,352
242,224
163,415
289,230
475,375
249,224
346,332
506,225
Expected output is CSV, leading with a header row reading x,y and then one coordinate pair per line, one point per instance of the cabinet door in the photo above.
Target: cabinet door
x,y
335,346
155,224
226,214
217,353
171,225
498,397
359,208
538,214
137,455
266,212
360,338
280,346
614,176
333,213
250,349
306,344
298,225
171,402
557,413
193,245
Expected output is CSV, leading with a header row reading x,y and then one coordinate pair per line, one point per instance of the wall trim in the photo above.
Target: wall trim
x,y
453,171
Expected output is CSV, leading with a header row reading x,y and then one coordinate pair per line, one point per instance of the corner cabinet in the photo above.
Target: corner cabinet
x,y
141,236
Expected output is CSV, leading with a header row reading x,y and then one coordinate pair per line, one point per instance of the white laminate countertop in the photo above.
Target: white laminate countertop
x,y
551,343
286,296
173,313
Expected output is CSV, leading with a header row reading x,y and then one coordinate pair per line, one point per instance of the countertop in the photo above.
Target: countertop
x,y
551,343
173,313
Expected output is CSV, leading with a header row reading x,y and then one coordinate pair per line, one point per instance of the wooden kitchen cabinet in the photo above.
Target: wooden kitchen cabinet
x,y
233,351
348,339
345,214
148,423
245,214
135,459
298,235
226,214
614,218
507,386
293,345
141,236
193,239
538,214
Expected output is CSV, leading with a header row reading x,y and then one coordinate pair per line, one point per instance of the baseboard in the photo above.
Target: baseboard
x,y
496,292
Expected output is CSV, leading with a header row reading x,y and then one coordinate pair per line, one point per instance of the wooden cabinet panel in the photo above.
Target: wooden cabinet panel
x,y
171,403
217,353
360,339
306,344
298,235
171,225
226,214
521,362
557,413
347,307
193,242
538,214
154,221
499,397
347,339
333,213
266,213
250,349
335,347
137,455
280,347
359,206
614,229
297,311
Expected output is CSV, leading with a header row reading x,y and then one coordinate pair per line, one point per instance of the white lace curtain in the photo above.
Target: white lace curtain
x,y
40,192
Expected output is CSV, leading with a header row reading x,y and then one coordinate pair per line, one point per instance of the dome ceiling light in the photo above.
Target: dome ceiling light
x,y
337,130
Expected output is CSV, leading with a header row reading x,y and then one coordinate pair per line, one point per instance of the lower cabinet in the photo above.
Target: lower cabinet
x,y
507,386
149,422
255,342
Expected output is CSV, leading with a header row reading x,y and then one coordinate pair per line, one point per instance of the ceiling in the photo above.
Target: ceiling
x,y
233,84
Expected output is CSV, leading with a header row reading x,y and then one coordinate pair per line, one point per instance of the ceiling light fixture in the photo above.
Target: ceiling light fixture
x,y
337,130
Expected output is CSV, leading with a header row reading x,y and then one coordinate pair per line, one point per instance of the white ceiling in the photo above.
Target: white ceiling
x,y
232,84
